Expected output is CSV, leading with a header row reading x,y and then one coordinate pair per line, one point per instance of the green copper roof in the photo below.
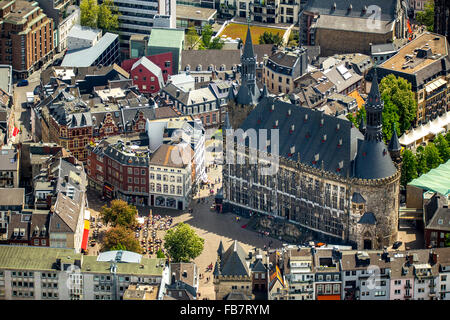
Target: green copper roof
x,y
437,179
169,38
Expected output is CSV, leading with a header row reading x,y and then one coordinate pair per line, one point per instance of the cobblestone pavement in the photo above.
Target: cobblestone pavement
x,y
208,224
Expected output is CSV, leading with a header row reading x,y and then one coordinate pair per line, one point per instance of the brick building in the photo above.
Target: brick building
x,y
26,36
147,76
162,60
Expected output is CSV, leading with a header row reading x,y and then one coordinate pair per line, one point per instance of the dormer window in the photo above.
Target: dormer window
x,y
316,158
199,67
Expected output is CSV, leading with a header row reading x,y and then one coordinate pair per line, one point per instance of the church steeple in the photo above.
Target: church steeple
x,y
374,110
248,92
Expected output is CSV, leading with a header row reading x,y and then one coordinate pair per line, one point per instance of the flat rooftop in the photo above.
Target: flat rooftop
x,y
406,59
195,13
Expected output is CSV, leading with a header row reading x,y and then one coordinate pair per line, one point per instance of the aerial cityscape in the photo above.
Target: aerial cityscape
x,y
224,150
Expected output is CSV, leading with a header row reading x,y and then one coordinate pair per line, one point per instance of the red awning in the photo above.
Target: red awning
x,y
85,239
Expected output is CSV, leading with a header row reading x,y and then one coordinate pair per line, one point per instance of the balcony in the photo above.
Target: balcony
x,y
408,295
408,286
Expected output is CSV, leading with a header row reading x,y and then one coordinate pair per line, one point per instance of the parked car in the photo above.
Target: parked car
x,y
22,83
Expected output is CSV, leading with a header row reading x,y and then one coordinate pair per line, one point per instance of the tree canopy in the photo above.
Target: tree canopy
x,y
120,238
108,16
400,105
270,38
119,213
207,42
104,16
425,159
183,244
409,168
191,37
89,13
426,17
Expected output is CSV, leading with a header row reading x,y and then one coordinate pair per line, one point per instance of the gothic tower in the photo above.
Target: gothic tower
x,y
248,93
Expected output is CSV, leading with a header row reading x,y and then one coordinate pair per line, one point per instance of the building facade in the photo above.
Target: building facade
x,y
337,26
271,11
424,63
27,37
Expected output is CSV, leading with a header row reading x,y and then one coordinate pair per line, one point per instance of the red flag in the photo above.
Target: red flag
x,y
15,131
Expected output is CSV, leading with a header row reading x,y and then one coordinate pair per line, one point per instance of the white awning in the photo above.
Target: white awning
x,y
434,127
87,215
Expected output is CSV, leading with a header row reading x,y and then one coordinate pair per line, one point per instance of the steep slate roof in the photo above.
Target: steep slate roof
x,y
358,198
308,135
67,211
368,218
394,144
373,160
233,262
438,213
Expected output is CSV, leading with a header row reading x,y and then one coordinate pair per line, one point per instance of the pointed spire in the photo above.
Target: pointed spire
x,y
231,95
248,46
374,95
394,144
226,125
374,112
362,126
264,93
220,250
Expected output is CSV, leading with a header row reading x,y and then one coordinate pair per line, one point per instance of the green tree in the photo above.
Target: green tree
x,y
443,146
294,38
89,13
183,244
447,240
447,137
390,116
421,161
207,34
119,214
356,119
399,101
432,156
270,38
108,16
216,44
120,238
191,37
160,254
409,167
426,17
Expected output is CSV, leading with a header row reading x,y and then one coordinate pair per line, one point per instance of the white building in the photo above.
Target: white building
x,y
65,26
35,273
301,277
80,37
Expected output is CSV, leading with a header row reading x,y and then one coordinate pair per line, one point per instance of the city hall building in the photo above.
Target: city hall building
x,y
334,183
